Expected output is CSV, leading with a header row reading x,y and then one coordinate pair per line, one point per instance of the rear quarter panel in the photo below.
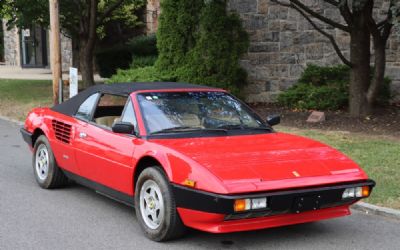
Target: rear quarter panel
x,y
41,119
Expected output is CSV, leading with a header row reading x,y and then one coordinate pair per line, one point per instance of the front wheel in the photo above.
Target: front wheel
x,y
155,206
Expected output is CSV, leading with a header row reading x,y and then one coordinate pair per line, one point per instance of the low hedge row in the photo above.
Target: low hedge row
x,y
325,88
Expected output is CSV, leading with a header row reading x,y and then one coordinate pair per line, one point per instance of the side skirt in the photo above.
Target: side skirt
x,y
101,189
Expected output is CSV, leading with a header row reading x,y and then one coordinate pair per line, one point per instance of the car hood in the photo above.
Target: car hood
x,y
267,161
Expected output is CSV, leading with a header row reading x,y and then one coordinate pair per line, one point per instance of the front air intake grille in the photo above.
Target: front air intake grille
x,y
62,131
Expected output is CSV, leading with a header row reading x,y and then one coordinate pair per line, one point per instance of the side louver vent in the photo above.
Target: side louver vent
x,y
62,131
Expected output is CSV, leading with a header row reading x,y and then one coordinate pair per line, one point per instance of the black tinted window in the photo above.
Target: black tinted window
x,y
86,109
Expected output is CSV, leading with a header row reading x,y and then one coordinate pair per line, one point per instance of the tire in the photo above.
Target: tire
x,y
157,217
47,174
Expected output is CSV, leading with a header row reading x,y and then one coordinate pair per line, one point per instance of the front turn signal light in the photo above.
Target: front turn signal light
x,y
241,205
189,183
365,191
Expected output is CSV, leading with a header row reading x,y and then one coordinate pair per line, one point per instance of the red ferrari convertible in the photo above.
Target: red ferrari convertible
x,y
190,156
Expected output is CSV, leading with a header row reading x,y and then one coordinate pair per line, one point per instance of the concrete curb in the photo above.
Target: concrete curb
x,y
377,210
19,123
359,206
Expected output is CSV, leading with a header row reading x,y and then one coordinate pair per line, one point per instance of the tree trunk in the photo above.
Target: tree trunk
x,y
86,64
87,41
379,71
360,56
75,53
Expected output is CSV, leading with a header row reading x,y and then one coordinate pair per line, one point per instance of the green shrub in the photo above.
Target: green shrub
x,y
319,76
220,41
145,74
305,96
142,48
201,42
176,34
325,88
385,94
143,61
109,60
144,45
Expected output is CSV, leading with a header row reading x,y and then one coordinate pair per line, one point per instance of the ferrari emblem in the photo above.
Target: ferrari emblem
x,y
296,174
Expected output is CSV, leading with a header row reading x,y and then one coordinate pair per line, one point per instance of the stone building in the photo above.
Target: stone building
x,y
282,43
29,48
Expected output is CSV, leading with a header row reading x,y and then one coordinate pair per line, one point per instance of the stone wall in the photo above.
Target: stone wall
x,y
11,46
283,43
66,53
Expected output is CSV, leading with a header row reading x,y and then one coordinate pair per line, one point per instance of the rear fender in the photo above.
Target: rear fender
x,y
35,121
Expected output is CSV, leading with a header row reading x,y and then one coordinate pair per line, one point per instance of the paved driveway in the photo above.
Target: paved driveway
x,y
78,218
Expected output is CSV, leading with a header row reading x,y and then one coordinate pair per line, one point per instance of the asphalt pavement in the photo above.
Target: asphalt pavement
x,y
78,218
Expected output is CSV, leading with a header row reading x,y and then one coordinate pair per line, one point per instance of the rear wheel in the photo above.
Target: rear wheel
x,y
47,173
155,206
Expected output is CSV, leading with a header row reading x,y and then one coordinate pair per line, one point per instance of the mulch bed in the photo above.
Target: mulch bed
x,y
385,121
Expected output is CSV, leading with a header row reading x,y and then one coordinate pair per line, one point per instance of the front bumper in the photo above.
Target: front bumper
x,y
27,136
214,212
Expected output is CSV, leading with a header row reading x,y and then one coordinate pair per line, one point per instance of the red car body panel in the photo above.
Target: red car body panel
x,y
215,223
265,162
221,165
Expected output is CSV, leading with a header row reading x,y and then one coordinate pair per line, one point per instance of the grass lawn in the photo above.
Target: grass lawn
x,y
378,156
18,97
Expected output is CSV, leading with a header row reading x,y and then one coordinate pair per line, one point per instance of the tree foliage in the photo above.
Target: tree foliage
x,y
23,13
82,20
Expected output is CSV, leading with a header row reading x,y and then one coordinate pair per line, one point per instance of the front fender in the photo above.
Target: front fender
x,y
179,168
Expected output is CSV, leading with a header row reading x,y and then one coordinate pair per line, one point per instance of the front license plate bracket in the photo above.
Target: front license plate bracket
x,y
306,203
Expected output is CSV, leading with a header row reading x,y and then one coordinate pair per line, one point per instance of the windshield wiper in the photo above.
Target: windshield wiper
x,y
238,126
188,129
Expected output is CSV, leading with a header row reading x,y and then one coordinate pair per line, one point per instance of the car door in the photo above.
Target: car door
x,y
102,155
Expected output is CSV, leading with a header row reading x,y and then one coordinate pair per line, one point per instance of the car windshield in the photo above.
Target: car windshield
x,y
174,112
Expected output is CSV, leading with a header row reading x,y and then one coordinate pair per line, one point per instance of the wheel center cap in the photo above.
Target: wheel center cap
x,y
152,204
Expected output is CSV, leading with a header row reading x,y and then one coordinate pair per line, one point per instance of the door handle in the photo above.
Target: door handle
x,y
82,135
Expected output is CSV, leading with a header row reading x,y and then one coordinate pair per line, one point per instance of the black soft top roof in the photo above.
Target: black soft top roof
x,y
71,106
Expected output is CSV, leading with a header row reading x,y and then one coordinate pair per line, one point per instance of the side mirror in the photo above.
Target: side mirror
x,y
273,120
123,128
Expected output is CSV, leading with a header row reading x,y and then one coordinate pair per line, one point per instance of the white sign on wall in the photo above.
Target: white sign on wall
x,y
73,82
26,32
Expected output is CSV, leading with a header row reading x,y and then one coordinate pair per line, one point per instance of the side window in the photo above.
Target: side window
x,y
129,115
86,109
109,110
